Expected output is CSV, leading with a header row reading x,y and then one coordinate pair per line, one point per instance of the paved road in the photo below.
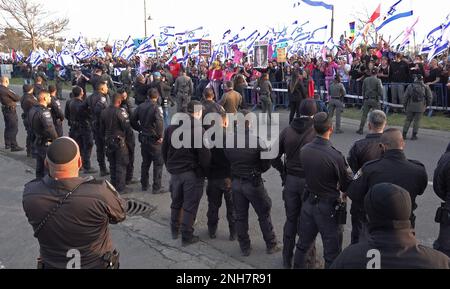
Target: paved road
x,y
146,242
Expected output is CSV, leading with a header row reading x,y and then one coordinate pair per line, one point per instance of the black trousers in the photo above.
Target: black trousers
x,y
217,190
186,192
100,146
244,194
317,217
11,126
118,162
294,108
59,128
293,199
130,167
40,153
29,134
84,139
151,153
357,223
443,242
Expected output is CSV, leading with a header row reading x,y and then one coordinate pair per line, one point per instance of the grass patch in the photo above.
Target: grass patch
x,y
66,86
439,121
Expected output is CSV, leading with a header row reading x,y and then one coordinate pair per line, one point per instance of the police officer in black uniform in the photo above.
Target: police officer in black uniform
x,y
147,119
27,102
210,105
442,190
97,102
393,168
53,203
187,164
327,175
8,99
388,210
38,85
114,128
56,110
247,167
43,130
219,174
77,114
363,151
130,139
291,140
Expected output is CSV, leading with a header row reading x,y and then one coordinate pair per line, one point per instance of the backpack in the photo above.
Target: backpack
x,y
417,92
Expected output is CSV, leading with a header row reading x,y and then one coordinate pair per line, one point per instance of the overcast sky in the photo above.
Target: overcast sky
x,y
116,19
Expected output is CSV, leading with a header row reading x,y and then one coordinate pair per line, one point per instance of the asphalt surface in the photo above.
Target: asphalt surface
x,y
145,242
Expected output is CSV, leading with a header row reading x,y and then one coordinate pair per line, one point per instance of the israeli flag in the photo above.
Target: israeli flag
x,y
127,50
65,58
441,44
393,15
432,36
35,58
318,36
167,31
317,4
194,35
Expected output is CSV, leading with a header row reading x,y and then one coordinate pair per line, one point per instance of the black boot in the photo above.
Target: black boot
x,y
212,230
186,241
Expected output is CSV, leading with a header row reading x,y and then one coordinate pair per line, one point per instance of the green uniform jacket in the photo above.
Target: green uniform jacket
x,y
421,106
372,88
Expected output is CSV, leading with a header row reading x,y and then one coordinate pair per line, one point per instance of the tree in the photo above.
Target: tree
x,y
32,20
14,39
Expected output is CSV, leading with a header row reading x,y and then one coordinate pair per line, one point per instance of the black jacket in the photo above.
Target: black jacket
x,y
365,150
77,114
326,170
41,124
392,168
246,161
398,250
187,158
8,97
147,119
442,178
291,141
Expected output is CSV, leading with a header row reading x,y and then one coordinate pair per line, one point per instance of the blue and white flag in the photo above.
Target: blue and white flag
x,y
65,58
318,36
315,3
35,58
396,12
167,31
432,36
194,36
127,50
441,44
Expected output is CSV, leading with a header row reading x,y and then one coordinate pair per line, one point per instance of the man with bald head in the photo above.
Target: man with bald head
x,y
9,99
392,167
69,213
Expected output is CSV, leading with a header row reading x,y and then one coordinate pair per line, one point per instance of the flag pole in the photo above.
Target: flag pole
x,y
332,22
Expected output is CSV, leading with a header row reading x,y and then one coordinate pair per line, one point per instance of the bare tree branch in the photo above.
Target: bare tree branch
x,y
32,20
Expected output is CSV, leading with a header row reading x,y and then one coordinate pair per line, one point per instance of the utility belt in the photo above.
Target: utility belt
x,y
8,108
78,124
443,215
43,142
115,143
254,178
371,98
110,259
339,212
146,139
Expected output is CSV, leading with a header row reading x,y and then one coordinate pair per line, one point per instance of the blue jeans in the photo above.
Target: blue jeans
x,y
166,117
